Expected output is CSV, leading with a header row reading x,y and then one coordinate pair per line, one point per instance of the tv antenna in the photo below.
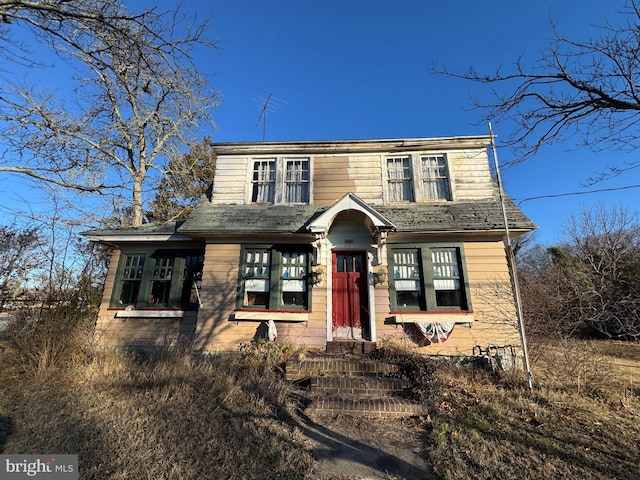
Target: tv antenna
x,y
269,104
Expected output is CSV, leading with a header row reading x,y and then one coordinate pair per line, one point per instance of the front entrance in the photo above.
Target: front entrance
x,y
349,296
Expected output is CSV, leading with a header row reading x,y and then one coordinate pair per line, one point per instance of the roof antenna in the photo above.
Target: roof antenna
x,y
266,105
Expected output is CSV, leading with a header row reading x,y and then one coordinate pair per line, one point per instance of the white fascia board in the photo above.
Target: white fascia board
x,y
138,238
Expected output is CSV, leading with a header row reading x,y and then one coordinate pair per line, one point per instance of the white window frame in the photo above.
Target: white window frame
x,y
417,177
436,179
280,195
402,181
262,182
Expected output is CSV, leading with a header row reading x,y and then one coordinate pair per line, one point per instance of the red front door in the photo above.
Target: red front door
x,y
350,300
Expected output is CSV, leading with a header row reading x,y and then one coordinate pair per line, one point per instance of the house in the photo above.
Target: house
x,y
321,241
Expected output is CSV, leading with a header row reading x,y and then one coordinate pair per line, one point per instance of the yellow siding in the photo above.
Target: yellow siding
x,y
219,284
363,174
104,328
470,174
331,179
216,333
492,300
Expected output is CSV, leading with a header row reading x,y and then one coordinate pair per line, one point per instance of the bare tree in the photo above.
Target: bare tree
x,y
544,275
604,275
590,283
138,101
589,88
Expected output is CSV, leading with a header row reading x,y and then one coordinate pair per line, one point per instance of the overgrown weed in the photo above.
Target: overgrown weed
x,y
47,339
575,424
160,413
170,413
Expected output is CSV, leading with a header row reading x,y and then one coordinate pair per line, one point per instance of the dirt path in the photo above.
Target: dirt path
x,y
349,448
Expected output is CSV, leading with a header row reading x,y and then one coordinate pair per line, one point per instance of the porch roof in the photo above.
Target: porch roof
x,y
159,231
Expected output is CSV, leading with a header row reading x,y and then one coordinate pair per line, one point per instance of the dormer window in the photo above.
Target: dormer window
x,y
281,180
297,181
400,179
435,177
264,181
418,178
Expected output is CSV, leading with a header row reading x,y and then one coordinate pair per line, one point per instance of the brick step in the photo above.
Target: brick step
x,y
365,385
300,369
355,347
381,407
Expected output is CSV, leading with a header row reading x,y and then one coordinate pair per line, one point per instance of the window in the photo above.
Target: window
x,y
400,179
420,178
264,181
406,279
274,278
131,277
256,274
161,284
428,278
281,180
435,178
446,277
158,278
297,181
191,277
294,279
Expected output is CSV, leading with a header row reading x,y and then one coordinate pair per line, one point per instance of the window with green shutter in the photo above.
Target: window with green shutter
x,y
428,277
158,278
273,277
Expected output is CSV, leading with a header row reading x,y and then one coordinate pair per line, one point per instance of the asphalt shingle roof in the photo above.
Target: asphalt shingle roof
x,y
450,216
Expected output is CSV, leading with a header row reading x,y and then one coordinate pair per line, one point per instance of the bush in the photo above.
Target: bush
x,y
47,339
417,370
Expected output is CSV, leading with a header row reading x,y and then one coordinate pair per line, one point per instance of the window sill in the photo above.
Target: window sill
x,y
459,316
265,316
149,314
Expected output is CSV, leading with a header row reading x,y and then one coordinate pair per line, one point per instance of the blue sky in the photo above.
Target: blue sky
x,y
356,69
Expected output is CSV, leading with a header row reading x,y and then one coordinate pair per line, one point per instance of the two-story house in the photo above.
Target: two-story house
x,y
372,240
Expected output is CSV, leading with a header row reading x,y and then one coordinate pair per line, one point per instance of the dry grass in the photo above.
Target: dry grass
x,y
581,422
156,416
172,415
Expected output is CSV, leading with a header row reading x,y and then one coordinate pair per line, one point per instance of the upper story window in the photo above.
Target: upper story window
x,y
428,277
264,181
413,178
435,177
281,180
400,177
297,181
158,278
